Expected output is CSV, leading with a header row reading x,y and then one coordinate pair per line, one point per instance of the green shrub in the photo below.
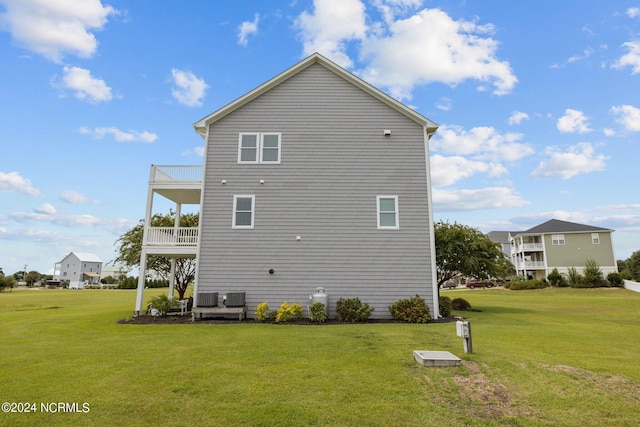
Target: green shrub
x,y
412,310
556,279
352,310
521,285
592,274
318,313
163,304
460,304
615,280
262,311
575,278
444,304
286,312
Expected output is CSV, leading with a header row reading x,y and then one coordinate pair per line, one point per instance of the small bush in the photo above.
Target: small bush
x,y
575,278
286,312
460,304
556,279
352,310
412,310
262,311
445,306
592,274
318,313
615,280
163,304
521,285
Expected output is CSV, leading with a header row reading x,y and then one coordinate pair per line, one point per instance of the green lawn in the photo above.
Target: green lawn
x,y
547,357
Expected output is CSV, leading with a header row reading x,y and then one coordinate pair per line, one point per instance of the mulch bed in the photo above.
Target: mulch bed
x,y
186,319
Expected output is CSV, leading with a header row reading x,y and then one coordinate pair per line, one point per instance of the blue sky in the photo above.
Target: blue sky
x,y
538,102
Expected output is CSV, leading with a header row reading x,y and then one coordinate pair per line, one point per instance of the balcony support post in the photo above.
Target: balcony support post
x,y
141,280
172,278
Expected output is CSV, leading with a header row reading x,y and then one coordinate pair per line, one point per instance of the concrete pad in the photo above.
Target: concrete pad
x,y
435,358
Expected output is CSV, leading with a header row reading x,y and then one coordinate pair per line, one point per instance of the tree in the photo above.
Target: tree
x,y
32,277
7,282
130,248
632,265
465,251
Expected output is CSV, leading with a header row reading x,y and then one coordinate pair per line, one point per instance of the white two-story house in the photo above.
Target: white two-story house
x,y
313,179
79,268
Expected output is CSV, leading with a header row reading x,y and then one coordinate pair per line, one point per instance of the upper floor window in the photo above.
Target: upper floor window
x,y
595,238
243,210
387,212
259,147
557,239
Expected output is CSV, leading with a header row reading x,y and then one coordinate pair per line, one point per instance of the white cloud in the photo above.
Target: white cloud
x,y
445,104
119,135
73,197
578,159
46,209
332,23
631,58
432,47
449,170
189,89
467,200
628,116
246,29
86,87
12,181
481,142
517,117
55,28
401,53
573,121
633,12
390,8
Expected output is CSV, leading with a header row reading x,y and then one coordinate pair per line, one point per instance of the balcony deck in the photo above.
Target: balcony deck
x,y
179,183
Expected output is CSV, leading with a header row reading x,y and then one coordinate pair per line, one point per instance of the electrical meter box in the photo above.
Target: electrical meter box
x,y
462,328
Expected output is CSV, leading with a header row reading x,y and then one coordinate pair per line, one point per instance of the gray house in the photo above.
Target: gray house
x,y
313,179
79,268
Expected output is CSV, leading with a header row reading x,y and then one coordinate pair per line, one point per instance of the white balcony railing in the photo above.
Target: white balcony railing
x,y
168,173
171,236
521,265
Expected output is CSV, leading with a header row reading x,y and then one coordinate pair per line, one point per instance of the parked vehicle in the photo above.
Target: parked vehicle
x,y
472,284
449,284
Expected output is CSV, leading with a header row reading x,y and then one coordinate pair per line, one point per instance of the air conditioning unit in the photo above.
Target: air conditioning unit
x,y
235,299
207,299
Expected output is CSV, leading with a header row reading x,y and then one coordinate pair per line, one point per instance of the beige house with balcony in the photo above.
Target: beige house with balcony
x,y
562,245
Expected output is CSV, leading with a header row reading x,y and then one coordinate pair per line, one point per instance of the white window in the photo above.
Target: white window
x,y
243,210
595,238
387,212
259,147
557,239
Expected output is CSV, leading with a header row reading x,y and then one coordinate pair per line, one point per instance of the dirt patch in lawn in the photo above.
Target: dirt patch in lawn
x,y
485,398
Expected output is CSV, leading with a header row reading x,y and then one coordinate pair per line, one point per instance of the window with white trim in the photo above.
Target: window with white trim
x,y
557,239
243,211
259,147
387,207
595,238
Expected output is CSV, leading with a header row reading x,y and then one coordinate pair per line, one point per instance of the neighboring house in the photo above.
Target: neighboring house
x,y
115,271
79,269
562,245
313,179
504,238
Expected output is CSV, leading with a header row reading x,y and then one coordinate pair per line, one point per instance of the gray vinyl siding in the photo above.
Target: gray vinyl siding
x,y
335,160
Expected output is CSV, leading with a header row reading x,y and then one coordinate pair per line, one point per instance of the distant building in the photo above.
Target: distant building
x,y
79,268
115,271
558,244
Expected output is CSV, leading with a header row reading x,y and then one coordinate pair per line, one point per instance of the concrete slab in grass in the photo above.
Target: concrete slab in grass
x,y
435,358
